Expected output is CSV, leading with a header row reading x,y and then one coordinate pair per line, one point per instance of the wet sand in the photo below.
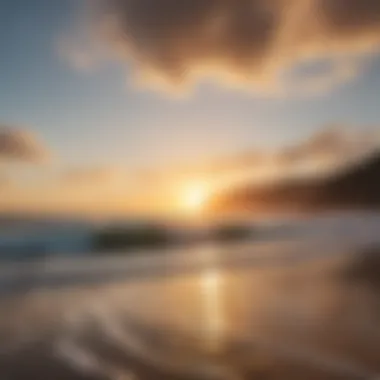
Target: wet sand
x,y
302,319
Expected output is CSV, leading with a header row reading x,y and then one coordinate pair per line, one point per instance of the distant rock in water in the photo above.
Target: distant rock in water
x,y
230,232
355,187
128,238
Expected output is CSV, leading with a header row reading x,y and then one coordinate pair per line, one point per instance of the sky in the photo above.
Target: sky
x,y
78,92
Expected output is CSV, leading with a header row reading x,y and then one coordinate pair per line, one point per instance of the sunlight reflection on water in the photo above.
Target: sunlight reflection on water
x,y
212,297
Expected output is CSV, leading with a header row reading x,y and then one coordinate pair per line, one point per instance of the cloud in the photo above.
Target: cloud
x,y
249,42
332,145
21,146
326,151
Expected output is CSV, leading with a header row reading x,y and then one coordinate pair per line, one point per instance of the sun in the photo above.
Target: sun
x,y
194,197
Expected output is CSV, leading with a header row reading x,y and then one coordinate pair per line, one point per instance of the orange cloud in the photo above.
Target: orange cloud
x,y
22,146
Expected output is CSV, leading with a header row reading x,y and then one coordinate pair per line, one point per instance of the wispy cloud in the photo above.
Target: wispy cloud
x,y
245,42
333,143
76,54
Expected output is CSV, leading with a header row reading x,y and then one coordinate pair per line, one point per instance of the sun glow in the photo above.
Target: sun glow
x,y
194,197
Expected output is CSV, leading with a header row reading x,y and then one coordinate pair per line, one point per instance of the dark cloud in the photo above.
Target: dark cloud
x,y
351,18
20,145
248,40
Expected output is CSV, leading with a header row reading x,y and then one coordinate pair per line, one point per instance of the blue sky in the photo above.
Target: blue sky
x,y
98,117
